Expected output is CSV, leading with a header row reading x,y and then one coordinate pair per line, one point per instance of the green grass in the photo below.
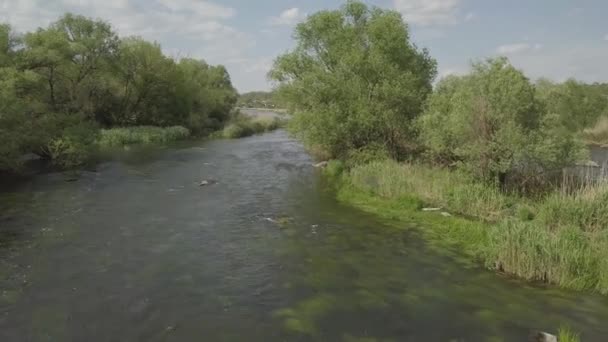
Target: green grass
x,y
561,238
567,335
245,126
116,137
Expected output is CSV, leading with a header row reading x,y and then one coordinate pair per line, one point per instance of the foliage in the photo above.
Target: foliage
x,y
577,105
354,79
598,134
244,126
257,99
59,84
141,135
567,335
435,186
491,124
560,238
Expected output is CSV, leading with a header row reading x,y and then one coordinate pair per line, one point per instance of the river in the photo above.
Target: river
x,y
136,250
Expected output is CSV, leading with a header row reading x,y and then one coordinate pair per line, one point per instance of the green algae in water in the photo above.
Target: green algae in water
x,y
49,324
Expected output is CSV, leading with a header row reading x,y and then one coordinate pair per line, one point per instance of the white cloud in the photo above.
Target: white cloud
x,y
470,16
201,9
518,48
288,17
583,61
429,12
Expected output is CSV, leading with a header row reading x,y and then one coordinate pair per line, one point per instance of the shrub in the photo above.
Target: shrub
x,y
141,135
491,124
74,146
598,134
244,126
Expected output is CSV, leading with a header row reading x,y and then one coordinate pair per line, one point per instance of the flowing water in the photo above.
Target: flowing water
x,y
138,251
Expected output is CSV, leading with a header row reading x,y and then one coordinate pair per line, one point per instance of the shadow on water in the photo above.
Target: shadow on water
x,y
138,251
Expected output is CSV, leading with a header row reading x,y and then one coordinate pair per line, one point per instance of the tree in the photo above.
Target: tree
x,y
577,105
72,55
210,93
491,123
354,80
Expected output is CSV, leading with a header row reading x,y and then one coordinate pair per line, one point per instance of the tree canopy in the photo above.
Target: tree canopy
x,y
60,84
354,79
491,123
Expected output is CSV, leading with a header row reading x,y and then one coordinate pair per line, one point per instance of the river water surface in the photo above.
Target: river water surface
x,y
137,251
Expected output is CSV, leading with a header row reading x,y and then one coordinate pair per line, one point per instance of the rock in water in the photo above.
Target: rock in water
x,y
207,182
542,337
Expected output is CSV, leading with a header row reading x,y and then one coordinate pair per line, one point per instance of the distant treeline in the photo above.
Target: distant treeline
x,y
257,99
61,84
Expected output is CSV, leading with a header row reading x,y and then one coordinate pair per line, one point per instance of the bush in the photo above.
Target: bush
x,y
142,135
74,145
598,134
491,124
244,126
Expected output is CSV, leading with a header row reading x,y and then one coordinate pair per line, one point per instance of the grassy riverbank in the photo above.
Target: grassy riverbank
x,y
560,238
245,126
116,137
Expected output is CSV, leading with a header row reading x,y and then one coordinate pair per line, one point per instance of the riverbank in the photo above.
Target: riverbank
x,y
558,239
123,136
246,126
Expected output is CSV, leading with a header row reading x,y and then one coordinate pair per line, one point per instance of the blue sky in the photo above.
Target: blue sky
x,y
557,39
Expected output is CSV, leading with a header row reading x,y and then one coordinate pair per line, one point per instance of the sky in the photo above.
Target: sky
x,y
556,39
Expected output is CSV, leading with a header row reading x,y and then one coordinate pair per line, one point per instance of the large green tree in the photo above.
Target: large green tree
x,y
354,79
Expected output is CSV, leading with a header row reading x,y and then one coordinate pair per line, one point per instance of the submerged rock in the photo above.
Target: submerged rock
x,y
207,182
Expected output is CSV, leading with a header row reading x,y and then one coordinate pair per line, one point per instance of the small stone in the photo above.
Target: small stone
x,y
431,209
321,165
444,214
542,337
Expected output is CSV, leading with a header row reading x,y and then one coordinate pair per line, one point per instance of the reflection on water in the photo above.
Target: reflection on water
x,y
137,251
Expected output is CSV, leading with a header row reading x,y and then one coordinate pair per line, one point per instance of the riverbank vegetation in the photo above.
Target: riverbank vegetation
x,y
257,99
61,84
245,126
490,147
118,137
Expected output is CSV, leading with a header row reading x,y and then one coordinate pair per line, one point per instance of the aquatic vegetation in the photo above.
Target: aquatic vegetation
x,y
116,137
567,335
